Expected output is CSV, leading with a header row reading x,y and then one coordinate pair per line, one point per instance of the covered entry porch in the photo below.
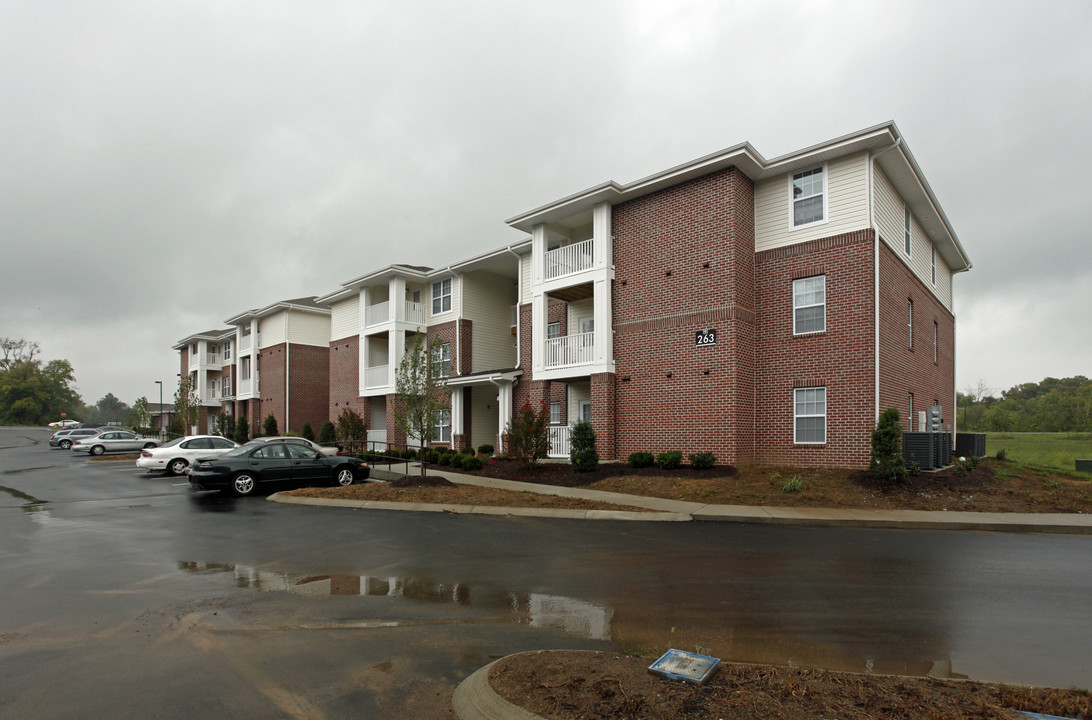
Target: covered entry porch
x,y
481,408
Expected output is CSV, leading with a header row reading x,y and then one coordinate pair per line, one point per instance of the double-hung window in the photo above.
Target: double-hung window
x,y
809,197
441,296
910,324
906,230
555,413
936,341
441,429
553,330
809,305
441,360
810,415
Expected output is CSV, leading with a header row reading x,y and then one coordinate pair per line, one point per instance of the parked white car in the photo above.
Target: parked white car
x,y
324,449
112,441
64,424
178,454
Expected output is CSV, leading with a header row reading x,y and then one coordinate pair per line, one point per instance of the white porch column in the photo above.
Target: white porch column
x,y
396,297
603,241
456,414
396,350
504,412
254,348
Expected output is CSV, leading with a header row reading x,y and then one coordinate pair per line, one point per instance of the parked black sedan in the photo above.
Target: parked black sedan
x,y
274,464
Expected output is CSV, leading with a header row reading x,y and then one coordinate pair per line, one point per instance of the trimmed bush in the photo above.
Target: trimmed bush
x,y
583,454
444,459
469,451
887,463
702,460
327,433
641,459
457,460
269,425
485,449
242,430
306,432
473,462
669,460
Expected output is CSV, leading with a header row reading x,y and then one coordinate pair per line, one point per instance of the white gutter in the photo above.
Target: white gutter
x,y
876,275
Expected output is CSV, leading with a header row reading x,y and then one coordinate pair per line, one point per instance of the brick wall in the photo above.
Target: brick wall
x,y
841,358
271,368
684,262
461,342
904,370
310,388
344,358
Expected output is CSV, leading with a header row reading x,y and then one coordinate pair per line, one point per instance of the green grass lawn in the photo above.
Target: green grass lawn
x,y
1053,450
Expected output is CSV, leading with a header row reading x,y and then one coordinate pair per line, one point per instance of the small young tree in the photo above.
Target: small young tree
x,y
421,391
140,414
306,432
351,428
583,453
887,463
327,433
242,430
527,437
269,426
225,425
186,404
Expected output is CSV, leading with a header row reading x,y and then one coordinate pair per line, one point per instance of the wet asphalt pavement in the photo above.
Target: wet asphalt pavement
x,y
127,594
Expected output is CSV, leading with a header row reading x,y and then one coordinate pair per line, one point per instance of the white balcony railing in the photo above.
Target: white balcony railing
x,y
570,259
376,376
245,343
377,314
415,312
570,350
213,359
559,441
245,386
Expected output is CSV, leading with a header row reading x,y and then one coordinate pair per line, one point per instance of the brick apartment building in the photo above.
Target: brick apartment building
x,y
763,310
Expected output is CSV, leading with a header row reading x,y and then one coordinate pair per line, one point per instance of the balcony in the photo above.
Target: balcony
x,y
576,349
377,376
377,314
245,386
570,259
213,359
245,343
415,312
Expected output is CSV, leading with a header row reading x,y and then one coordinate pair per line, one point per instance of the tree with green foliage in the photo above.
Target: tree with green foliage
x,y
327,433
306,432
186,404
887,463
1053,405
242,430
225,425
112,410
140,416
269,426
32,393
351,427
421,392
582,449
527,437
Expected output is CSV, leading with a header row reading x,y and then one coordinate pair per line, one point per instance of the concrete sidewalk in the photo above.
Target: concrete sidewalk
x,y
660,509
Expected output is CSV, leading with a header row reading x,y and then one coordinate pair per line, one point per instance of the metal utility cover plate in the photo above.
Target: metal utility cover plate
x,y
681,665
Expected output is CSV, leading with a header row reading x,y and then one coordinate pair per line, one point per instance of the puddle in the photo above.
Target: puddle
x,y
28,499
32,469
577,617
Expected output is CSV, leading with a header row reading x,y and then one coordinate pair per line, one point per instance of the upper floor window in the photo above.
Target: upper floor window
x,y
441,296
906,230
809,305
441,360
809,197
244,368
227,350
810,415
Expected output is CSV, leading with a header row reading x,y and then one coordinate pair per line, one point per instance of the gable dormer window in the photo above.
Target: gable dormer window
x,y
809,197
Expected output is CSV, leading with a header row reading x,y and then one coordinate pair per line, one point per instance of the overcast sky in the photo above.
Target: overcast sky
x,y
167,165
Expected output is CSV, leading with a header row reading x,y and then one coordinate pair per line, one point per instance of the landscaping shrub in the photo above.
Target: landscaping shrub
x,y
641,459
242,430
669,460
469,451
457,460
527,438
485,449
702,460
583,453
269,425
1002,454
887,463
473,462
444,459
306,432
327,433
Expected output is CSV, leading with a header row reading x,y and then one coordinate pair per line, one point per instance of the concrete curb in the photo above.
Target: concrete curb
x,y
475,699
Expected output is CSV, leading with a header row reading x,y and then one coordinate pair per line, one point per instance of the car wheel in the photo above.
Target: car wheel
x,y
97,450
176,466
345,476
243,484
149,445
65,444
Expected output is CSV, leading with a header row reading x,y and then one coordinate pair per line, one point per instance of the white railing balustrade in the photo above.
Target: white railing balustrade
x,y
559,441
570,259
245,386
415,312
570,350
376,376
245,343
377,314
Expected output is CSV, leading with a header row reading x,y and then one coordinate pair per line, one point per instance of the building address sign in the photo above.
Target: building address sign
x,y
705,337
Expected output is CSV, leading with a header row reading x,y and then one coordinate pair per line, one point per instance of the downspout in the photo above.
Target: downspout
x,y
287,365
876,274
459,329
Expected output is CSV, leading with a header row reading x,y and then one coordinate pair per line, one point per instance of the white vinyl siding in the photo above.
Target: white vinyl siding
x,y
487,304
271,328
525,279
304,328
846,201
345,318
891,222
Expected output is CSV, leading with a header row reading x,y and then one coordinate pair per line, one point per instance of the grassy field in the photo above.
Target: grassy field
x,y
1053,450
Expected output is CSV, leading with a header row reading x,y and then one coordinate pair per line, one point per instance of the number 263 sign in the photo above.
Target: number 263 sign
x,y
705,337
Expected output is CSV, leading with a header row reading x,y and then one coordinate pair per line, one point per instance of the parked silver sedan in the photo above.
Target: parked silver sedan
x,y
177,455
113,441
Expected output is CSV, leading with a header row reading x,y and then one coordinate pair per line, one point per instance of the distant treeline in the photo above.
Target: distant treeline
x,y
1052,405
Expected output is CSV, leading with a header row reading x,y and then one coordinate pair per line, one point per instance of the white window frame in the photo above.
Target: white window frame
x,y
227,350
584,408
441,428
800,397
910,323
441,360
936,339
441,296
798,289
553,330
793,200
555,413
244,368
906,230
